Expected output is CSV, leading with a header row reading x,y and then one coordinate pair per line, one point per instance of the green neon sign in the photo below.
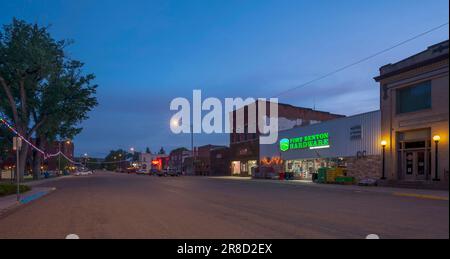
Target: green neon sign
x,y
314,141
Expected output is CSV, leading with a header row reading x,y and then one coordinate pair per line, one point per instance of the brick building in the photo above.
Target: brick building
x,y
203,159
220,161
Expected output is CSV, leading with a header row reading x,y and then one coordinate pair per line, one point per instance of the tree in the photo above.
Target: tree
x,y
147,150
162,151
94,164
67,99
5,146
115,159
42,91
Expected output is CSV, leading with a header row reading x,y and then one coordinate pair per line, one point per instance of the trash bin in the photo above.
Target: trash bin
x,y
322,175
314,177
281,176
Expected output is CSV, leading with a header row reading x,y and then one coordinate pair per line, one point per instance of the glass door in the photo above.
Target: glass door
x,y
416,165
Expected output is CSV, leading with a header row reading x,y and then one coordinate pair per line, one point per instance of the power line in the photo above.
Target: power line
x,y
361,60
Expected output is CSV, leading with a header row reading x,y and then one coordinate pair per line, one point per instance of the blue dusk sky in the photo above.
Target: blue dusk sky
x,y
145,53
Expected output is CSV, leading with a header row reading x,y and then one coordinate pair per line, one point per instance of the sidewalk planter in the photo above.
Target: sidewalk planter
x,y
9,189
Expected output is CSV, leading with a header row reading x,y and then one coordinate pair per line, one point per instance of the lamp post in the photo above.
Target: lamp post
x,y
133,162
59,157
383,170
17,145
177,123
85,159
67,147
436,139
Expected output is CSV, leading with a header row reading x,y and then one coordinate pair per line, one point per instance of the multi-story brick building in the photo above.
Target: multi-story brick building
x,y
178,158
220,161
202,158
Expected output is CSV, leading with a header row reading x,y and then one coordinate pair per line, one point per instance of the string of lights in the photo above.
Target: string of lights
x,y
10,127
48,155
42,152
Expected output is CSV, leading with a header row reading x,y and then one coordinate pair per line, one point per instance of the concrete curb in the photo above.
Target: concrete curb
x,y
43,181
12,205
440,195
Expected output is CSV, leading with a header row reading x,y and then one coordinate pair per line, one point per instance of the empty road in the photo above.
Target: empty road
x,y
111,205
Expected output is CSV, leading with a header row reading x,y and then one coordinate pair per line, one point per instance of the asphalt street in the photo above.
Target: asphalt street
x,y
112,205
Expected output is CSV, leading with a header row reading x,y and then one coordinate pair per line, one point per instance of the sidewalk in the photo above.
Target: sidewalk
x,y
10,202
48,180
402,192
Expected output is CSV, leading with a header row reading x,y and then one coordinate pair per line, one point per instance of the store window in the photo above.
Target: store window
x,y
252,164
414,98
236,167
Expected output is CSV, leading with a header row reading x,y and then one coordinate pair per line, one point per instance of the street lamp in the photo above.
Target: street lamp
x,y
85,159
177,123
383,170
436,139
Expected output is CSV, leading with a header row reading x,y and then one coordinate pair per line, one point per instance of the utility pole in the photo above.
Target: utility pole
x,y
192,148
16,146
59,157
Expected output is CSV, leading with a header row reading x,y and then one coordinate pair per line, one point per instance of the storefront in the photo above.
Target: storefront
x,y
303,169
415,118
352,143
244,168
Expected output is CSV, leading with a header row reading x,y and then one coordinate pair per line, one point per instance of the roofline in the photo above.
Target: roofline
x,y
293,106
341,118
411,67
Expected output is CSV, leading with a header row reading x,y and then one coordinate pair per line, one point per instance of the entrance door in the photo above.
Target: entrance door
x,y
416,165
236,168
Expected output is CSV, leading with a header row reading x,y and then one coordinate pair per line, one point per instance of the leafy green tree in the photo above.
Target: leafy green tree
x,y
42,91
162,151
68,98
115,159
5,146
147,150
94,164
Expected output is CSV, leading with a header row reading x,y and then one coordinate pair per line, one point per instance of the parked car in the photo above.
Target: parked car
x,y
142,171
173,172
131,170
160,172
83,172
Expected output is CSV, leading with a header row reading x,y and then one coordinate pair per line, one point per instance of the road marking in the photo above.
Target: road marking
x,y
421,196
372,236
32,197
72,236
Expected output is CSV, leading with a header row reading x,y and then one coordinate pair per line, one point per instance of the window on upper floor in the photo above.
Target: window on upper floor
x,y
414,98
